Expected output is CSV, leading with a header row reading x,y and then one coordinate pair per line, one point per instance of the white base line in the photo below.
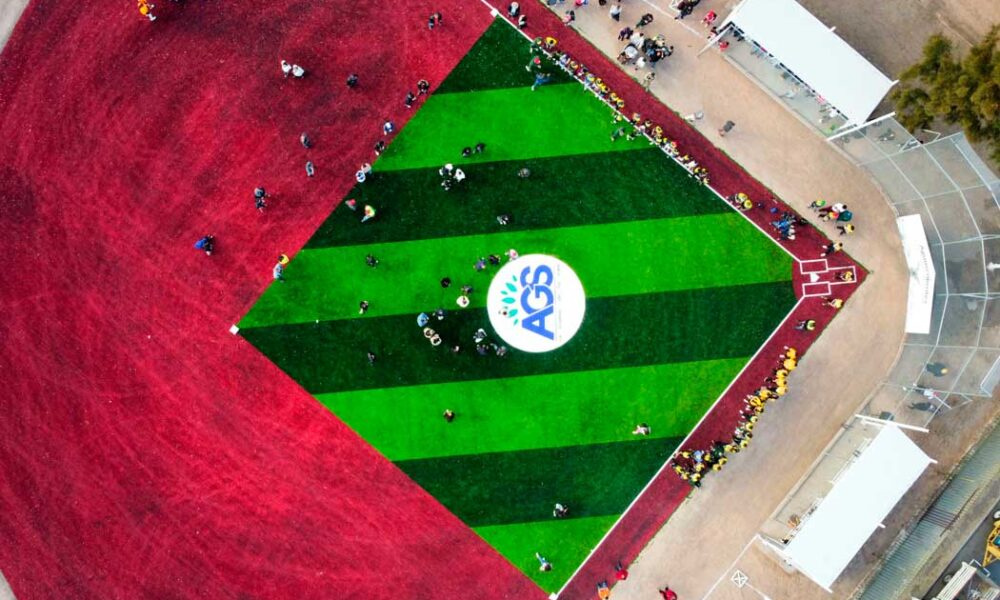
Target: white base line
x,y
721,396
731,565
681,444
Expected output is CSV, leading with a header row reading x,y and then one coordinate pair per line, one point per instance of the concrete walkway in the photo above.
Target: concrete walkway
x,y
847,362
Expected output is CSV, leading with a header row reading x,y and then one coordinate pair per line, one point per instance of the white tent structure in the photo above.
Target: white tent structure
x,y
862,496
808,54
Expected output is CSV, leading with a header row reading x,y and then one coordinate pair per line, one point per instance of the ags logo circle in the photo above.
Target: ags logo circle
x,y
536,303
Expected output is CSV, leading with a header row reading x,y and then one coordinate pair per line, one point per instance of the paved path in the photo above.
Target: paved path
x,y
847,362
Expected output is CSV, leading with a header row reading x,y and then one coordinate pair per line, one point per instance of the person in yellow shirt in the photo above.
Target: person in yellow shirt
x,y
146,9
835,303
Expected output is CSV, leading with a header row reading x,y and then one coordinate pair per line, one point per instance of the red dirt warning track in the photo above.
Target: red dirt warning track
x,y
145,452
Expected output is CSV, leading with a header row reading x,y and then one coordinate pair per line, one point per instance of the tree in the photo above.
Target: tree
x,y
962,91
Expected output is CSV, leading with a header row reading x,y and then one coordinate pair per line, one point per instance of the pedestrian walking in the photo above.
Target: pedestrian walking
x,y
644,20
513,9
446,282
559,511
709,19
544,565
621,573
479,148
685,8
834,303
146,10
831,248
423,87
422,319
569,17
540,79
388,127
603,591
379,147
369,213
817,204
363,307
617,133
278,272
260,199
806,325
306,142
206,244
467,151
449,415
310,169
352,80
667,594
371,261
616,14
480,264
522,21
937,369
434,20
298,72
624,34
648,80
286,69
846,229
726,128
466,290
410,99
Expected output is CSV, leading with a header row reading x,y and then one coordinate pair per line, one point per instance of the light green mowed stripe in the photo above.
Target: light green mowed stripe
x,y
514,123
563,542
614,259
540,411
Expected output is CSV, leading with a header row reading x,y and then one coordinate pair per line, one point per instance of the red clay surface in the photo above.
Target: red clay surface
x,y
667,491
145,452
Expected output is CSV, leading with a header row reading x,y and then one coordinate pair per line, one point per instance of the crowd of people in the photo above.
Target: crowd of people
x,y
692,464
630,127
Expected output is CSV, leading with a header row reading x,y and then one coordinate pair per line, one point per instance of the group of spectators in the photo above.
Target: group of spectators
x,y
692,464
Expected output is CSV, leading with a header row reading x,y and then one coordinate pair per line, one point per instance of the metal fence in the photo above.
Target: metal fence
x,y
958,199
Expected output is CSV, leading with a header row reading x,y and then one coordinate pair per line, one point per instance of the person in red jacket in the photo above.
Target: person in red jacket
x,y
668,594
621,572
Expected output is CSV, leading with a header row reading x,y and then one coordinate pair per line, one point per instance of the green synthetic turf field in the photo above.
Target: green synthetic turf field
x,y
681,291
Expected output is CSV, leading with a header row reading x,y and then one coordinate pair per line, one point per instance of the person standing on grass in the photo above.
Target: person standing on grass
x,y
543,564
278,272
369,213
449,415
540,79
371,261
362,307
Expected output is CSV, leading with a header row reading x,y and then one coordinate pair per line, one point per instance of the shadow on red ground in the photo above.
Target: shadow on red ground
x,y
145,452
667,491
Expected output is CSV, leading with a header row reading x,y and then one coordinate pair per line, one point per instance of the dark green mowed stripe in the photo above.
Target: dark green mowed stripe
x,y
572,190
513,487
497,60
621,331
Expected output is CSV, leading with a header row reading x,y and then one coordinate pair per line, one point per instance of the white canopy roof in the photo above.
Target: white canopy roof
x,y
920,300
860,499
815,54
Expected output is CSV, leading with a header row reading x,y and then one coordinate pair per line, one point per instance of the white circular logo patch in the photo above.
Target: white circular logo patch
x,y
536,303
